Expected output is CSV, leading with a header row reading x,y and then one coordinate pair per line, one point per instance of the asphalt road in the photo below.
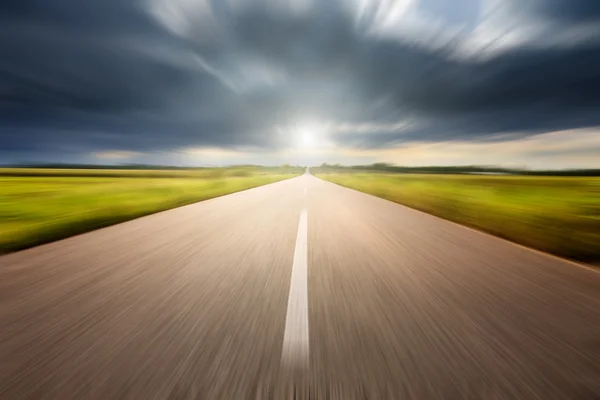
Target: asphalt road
x,y
299,289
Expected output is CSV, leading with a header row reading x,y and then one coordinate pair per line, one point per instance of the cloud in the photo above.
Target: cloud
x,y
85,77
552,150
569,11
117,155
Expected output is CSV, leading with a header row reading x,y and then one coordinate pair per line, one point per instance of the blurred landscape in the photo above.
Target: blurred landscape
x,y
299,199
556,211
558,214
39,205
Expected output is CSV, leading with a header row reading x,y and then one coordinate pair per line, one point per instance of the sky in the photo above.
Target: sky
x,y
216,82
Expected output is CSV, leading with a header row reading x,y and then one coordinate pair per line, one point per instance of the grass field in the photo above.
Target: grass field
x,y
42,205
559,215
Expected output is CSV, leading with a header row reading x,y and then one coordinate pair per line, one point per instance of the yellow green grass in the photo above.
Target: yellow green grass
x,y
559,215
41,205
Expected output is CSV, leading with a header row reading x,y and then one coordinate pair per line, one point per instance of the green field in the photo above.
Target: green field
x,y
42,205
559,215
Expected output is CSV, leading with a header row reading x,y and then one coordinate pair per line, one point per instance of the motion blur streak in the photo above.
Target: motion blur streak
x,y
191,304
155,81
155,157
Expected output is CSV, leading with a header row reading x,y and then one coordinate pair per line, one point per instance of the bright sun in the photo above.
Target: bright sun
x,y
306,137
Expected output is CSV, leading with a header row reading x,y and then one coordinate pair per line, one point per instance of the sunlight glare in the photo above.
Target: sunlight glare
x,y
306,137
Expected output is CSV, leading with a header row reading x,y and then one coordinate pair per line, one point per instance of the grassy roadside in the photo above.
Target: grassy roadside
x,y
559,215
40,206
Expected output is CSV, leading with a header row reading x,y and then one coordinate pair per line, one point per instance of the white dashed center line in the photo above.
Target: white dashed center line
x,y
295,338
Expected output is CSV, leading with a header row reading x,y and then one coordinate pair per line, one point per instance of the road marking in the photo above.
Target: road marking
x,y
304,190
295,337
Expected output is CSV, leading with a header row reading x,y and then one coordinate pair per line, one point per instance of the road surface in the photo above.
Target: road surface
x,y
295,290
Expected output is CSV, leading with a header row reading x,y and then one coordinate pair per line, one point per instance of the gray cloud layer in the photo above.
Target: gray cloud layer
x,y
79,76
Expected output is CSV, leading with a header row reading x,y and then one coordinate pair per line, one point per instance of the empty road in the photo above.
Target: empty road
x,y
296,290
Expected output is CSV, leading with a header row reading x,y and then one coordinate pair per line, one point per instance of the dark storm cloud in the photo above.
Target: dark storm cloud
x,y
566,10
84,15
85,76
